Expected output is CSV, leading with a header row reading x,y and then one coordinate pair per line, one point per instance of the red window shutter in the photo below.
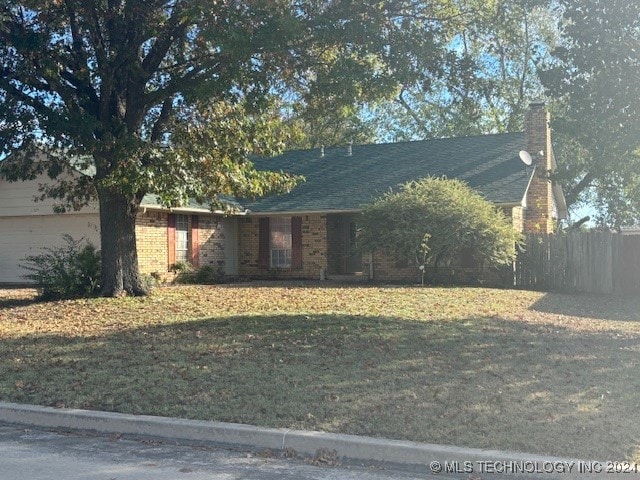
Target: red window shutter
x,y
195,241
296,243
171,239
263,243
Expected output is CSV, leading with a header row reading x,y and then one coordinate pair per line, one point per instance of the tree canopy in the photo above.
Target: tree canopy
x,y
483,83
594,78
172,96
489,74
431,221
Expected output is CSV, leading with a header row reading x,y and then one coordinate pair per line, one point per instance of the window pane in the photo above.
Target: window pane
x,y
182,238
181,256
280,242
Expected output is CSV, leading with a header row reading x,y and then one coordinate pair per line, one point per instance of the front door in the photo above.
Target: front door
x,y
353,259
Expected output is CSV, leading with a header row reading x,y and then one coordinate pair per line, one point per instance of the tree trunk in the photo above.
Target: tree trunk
x,y
120,274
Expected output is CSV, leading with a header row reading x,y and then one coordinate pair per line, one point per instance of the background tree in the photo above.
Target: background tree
x,y
325,119
489,74
432,221
169,96
324,124
594,75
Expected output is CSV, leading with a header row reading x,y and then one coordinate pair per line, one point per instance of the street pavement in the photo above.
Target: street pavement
x,y
41,454
43,443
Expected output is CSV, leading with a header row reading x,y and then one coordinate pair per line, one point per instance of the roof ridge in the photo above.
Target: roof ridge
x,y
404,142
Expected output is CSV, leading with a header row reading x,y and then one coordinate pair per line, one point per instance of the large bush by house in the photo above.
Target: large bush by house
x,y
69,270
431,221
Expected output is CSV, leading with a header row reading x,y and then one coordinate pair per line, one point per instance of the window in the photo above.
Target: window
x,y
183,242
182,238
280,242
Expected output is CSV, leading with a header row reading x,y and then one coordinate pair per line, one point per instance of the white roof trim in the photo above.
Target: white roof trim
x,y
160,208
294,213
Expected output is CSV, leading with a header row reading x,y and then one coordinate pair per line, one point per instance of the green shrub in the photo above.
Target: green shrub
x,y
181,267
207,274
66,271
431,221
183,271
152,280
188,275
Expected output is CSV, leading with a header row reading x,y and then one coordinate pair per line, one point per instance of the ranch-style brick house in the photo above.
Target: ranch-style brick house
x,y
309,233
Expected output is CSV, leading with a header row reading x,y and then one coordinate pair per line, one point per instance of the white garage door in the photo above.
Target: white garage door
x,y
22,236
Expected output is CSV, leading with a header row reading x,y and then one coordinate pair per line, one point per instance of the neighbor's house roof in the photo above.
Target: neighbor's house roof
x,y
149,201
338,181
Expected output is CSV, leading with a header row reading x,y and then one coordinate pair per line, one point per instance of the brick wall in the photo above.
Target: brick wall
x,y
314,245
151,238
538,216
314,249
316,256
211,239
517,218
248,237
385,269
153,248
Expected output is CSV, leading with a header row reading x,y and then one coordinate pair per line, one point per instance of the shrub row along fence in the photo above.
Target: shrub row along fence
x,y
591,262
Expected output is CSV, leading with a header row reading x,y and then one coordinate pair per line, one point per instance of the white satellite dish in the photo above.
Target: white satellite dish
x,y
525,157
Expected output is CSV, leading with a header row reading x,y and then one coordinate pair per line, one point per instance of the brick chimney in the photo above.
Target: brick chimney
x,y
538,214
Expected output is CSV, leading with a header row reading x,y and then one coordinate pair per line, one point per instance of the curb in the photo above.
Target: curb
x,y
433,458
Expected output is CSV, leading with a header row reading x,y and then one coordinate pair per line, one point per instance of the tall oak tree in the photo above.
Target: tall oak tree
x,y
168,96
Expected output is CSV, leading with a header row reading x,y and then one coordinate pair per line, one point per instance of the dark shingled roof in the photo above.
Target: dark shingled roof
x,y
337,181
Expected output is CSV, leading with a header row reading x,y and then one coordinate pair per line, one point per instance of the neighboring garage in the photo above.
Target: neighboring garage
x,y
26,226
22,236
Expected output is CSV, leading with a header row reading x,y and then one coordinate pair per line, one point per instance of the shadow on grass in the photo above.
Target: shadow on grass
x,y
22,302
345,284
486,383
20,297
314,284
603,307
33,299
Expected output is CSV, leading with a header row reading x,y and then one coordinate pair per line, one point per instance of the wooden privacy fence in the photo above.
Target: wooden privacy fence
x,y
592,262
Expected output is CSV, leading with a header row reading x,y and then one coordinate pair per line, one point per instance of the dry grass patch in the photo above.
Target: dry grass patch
x,y
516,370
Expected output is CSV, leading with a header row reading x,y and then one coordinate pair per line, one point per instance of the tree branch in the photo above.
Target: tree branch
x,y
173,87
579,223
582,185
29,100
161,46
165,114
419,123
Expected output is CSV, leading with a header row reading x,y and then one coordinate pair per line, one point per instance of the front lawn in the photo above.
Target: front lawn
x,y
514,370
